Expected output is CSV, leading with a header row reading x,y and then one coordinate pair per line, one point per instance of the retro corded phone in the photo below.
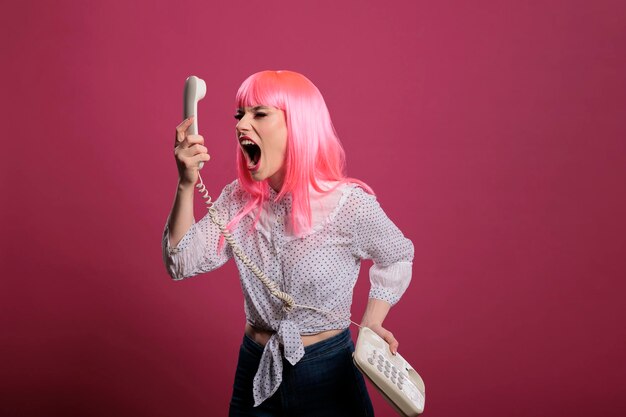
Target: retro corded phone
x,y
393,376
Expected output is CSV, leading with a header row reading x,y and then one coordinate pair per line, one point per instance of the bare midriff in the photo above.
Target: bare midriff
x,y
262,336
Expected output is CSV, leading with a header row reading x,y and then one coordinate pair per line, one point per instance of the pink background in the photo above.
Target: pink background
x,y
492,131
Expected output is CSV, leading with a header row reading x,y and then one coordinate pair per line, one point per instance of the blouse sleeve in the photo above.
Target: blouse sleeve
x,y
197,251
378,238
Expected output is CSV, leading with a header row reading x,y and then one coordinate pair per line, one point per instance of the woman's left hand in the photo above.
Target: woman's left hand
x,y
387,337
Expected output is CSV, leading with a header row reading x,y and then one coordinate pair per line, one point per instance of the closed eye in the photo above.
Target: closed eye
x,y
257,114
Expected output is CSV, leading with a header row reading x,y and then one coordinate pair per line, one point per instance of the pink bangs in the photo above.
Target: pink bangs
x,y
266,87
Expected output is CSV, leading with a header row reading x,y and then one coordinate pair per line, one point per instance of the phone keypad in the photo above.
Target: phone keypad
x,y
397,376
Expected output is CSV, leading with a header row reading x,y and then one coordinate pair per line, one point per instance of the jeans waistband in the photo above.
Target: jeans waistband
x,y
337,342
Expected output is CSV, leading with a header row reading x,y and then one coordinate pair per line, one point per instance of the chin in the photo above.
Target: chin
x,y
258,177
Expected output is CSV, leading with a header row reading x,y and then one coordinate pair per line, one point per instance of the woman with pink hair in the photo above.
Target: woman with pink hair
x,y
296,215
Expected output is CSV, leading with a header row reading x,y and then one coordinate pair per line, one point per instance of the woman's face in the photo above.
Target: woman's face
x,y
262,135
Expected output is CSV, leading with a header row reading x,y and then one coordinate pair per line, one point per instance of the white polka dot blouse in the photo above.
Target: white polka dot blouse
x,y
319,269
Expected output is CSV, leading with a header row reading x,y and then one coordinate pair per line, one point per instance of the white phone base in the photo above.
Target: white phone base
x,y
391,374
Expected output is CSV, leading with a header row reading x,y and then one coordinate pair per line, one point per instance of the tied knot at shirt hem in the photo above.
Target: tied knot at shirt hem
x,y
270,373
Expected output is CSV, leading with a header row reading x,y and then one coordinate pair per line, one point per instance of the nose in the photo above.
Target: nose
x,y
242,125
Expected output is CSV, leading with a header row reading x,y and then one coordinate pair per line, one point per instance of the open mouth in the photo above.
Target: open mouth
x,y
252,152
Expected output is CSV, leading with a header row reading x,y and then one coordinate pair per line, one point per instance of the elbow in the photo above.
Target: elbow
x,y
174,265
409,252
174,274
176,277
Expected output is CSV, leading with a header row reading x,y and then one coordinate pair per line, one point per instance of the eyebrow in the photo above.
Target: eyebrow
x,y
255,108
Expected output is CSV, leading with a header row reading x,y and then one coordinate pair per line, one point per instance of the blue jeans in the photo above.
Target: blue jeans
x,y
324,383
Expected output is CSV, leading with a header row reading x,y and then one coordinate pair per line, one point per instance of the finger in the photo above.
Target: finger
x,y
394,346
191,151
182,154
184,125
195,139
193,162
197,148
181,129
189,146
189,142
393,343
196,160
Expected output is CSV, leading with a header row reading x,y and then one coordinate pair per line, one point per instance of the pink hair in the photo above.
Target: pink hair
x,y
313,153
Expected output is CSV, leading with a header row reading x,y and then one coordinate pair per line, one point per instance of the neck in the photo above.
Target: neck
x,y
276,180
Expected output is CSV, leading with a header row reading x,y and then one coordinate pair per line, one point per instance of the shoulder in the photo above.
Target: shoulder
x,y
228,188
233,189
364,205
357,194
355,201
232,194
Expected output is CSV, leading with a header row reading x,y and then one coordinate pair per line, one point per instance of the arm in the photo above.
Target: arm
x,y
189,151
379,239
181,217
196,251
375,314
194,248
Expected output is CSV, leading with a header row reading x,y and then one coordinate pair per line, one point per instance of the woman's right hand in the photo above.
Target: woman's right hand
x,y
189,151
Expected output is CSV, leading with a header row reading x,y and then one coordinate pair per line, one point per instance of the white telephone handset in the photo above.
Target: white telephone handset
x,y
399,383
195,90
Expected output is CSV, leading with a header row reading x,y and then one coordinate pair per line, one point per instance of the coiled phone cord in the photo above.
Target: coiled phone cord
x,y
288,301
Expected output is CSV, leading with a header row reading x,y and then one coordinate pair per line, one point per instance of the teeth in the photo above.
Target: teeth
x,y
247,142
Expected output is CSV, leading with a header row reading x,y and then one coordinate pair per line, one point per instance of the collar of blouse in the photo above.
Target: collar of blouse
x,y
324,207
